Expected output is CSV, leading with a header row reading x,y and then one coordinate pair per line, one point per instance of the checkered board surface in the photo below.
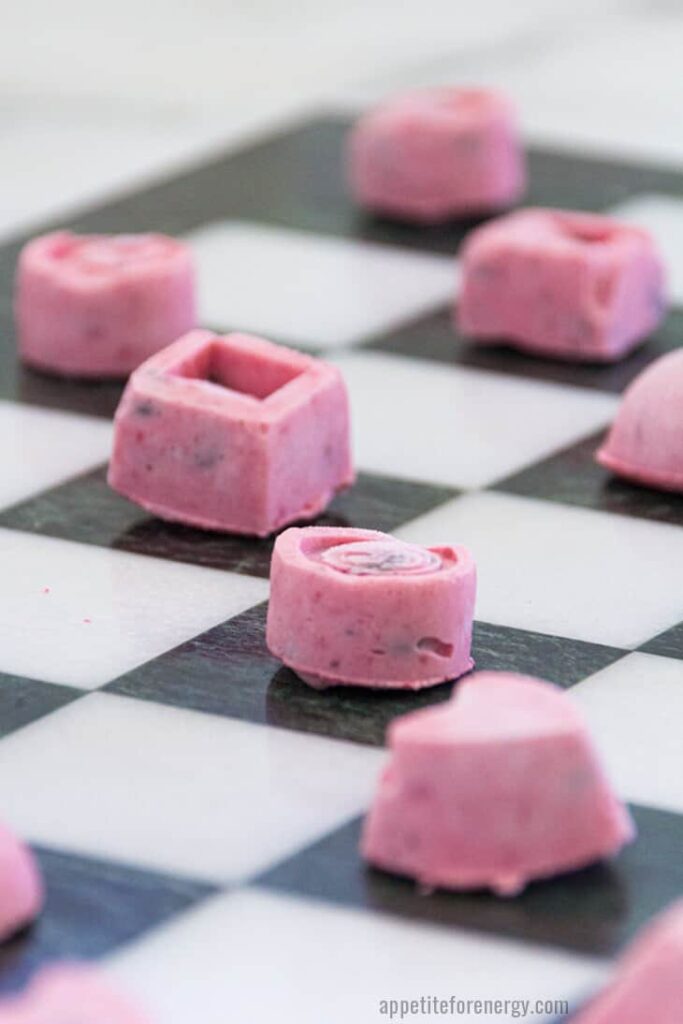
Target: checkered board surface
x,y
196,808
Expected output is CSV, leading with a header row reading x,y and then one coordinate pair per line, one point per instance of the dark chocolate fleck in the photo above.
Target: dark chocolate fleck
x,y
208,459
146,409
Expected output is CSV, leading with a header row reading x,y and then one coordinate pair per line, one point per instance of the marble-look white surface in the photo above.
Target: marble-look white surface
x,y
209,53
83,615
562,570
468,428
311,290
63,153
603,77
634,709
198,795
331,963
662,216
40,448
94,97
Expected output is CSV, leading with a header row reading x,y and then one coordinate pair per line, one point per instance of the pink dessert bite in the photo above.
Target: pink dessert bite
x,y
21,885
645,444
99,305
232,433
359,608
497,787
574,286
648,985
69,994
436,154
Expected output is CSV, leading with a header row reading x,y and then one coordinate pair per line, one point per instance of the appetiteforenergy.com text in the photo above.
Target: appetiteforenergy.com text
x,y
434,1006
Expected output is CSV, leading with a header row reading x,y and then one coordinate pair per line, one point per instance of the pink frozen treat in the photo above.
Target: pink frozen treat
x,y
570,285
69,994
21,885
232,433
645,443
497,787
436,154
359,608
648,985
98,305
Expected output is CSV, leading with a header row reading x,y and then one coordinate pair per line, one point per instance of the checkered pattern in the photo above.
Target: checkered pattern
x,y
195,807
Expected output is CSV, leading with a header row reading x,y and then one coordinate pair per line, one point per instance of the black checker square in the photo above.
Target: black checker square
x,y
668,644
85,509
229,671
92,908
573,477
435,337
23,701
595,911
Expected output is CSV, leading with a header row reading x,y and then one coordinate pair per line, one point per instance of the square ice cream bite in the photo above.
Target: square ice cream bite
x,y
570,285
232,433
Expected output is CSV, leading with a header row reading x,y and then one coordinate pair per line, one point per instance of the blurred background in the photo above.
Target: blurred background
x,y
95,95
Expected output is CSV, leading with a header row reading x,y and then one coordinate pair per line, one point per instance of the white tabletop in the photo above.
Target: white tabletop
x,y
94,96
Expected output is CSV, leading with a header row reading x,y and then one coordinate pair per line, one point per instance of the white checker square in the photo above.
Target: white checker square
x,y
457,426
176,790
259,956
312,290
634,709
83,615
662,216
561,570
41,448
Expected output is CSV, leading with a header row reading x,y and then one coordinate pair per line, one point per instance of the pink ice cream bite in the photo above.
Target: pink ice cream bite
x,y
355,607
99,305
232,433
69,994
645,444
497,787
21,885
437,154
648,985
573,286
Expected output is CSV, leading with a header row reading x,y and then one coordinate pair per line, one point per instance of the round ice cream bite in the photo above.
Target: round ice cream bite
x,y
21,885
497,787
99,305
436,154
360,608
645,443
